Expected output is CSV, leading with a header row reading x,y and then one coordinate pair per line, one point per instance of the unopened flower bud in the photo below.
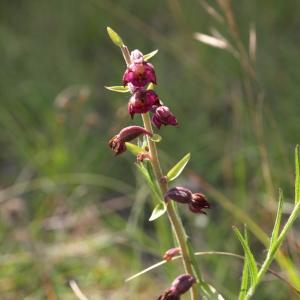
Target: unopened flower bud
x,y
139,72
198,203
163,116
117,143
142,101
179,286
182,283
171,253
179,194
168,295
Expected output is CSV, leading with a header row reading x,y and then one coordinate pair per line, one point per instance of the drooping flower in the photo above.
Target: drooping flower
x,y
179,194
171,253
142,101
139,72
179,286
163,116
117,143
198,203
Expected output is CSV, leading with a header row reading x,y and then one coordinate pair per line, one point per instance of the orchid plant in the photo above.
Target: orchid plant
x,y
139,80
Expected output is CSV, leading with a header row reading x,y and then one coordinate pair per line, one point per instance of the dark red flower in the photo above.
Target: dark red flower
x,y
168,295
198,203
163,116
179,286
179,194
117,143
142,101
139,72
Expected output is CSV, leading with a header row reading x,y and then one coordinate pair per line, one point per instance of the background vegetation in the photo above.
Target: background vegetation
x,y
70,210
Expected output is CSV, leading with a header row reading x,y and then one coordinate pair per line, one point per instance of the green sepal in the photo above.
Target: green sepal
x,y
150,55
118,88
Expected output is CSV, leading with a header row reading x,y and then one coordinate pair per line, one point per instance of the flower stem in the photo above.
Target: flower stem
x,y
174,218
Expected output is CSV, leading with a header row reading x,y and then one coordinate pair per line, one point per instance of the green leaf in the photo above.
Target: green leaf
x,y
209,292
252,267
297,180
276,228
245,280
118,88
134,149
158,211
146,170
156,138
115,37
178,168
245,275
150,55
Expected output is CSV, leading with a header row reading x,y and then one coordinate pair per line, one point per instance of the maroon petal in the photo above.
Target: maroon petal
x,y
131,132
179,194
183,283
198,203
163,116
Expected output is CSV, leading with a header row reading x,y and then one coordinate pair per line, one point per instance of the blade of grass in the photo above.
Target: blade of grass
x,y
276,228
252,267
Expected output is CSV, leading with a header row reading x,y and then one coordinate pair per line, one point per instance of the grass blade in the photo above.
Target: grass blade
x,y
252,267
276,228
245,280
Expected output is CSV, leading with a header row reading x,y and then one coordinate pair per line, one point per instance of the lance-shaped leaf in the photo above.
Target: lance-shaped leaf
x,y
150,55
116,39
118,88
134,149
209,292
178,168
245,281
276,228
158,211
246,273
252,267
146,171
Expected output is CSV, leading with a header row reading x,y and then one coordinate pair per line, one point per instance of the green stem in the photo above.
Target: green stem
x,y
175,220
265,266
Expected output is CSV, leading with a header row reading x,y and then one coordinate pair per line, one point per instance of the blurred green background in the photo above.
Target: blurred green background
x,y
70,210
